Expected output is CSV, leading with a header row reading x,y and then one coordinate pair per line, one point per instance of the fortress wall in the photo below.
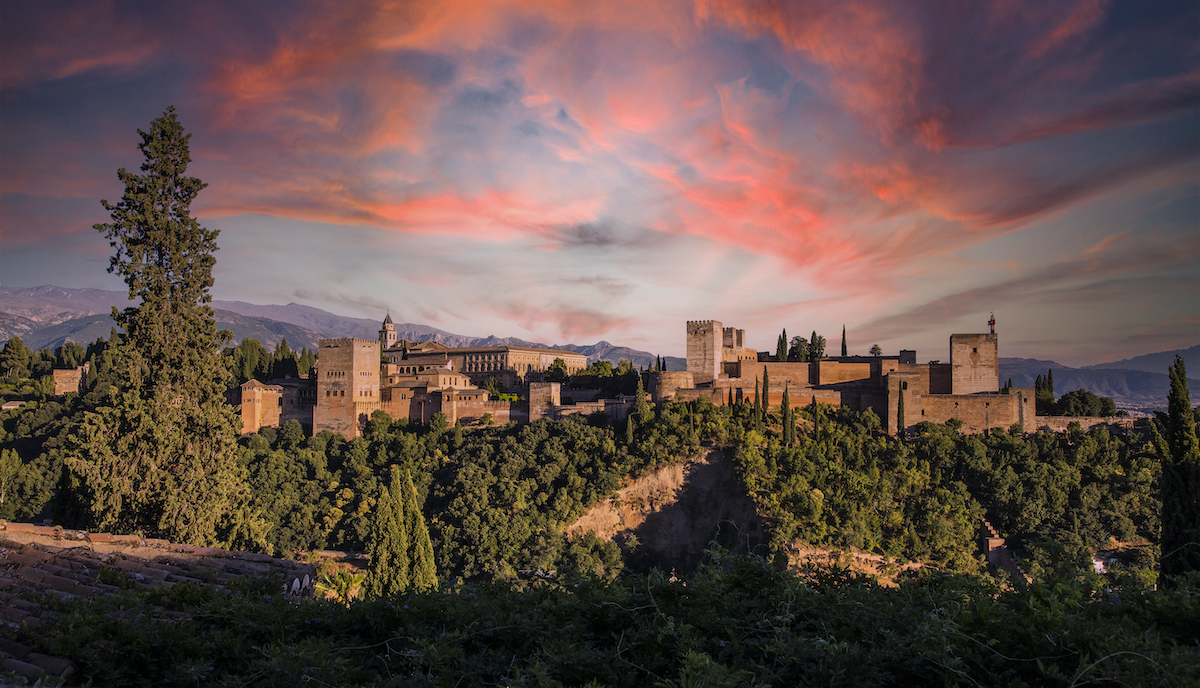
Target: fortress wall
x,y
472,410
797,375
663,385
834,372
941,379
978,412
975,363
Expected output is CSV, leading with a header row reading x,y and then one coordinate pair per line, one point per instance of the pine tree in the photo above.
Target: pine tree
x,y
629,423
1180,482
843,341
162,457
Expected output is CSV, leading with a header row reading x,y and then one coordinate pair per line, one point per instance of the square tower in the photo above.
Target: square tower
x,y
974,363
347,385
705,340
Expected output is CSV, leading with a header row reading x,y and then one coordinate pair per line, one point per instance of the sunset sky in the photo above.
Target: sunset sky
x,y
577,171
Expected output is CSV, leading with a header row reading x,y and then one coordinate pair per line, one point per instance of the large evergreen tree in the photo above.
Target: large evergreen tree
x,y
843,341
159,457
781,347
1180,480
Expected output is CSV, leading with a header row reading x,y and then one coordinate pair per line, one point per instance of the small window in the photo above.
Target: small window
x,y
975,350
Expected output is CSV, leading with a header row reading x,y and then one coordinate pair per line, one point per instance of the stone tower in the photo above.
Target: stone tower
x,y
387,333
974,363
347,385
705,339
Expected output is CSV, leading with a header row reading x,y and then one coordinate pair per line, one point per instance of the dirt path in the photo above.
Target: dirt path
x,y
675,512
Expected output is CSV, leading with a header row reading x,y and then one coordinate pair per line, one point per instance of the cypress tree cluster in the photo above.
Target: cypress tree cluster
x,y
400,553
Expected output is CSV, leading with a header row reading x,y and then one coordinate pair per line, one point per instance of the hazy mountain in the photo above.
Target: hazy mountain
x,y
89,328
1128,388
49,316
1156,363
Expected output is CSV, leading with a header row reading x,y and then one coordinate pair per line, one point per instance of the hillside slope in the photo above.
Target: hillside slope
x,y
675,512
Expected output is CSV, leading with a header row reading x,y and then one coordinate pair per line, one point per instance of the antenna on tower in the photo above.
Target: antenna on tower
x,y
992,323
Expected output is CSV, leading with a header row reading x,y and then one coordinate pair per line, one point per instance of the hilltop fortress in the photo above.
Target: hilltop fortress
x,y
356,377
900,391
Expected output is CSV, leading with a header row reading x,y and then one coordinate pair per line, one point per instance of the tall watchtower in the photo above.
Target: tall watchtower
x,y
347,385
705,339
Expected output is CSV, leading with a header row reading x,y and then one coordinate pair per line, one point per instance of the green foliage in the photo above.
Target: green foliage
x,y
1180,480
740,623
14,358
557,372
847,484
781,347
844,354
876,350
160,457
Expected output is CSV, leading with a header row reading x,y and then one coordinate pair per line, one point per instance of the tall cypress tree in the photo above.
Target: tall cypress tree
x,y
423,570
160,457
789,427
843,341
766,392
781,346
1180,482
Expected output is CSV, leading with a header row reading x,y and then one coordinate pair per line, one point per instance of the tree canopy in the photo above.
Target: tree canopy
x,y
159,457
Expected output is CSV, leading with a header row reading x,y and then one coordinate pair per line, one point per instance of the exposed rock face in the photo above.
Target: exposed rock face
x,y
676,512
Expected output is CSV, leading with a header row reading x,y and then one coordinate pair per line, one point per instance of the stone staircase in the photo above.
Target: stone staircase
x,y
1000,556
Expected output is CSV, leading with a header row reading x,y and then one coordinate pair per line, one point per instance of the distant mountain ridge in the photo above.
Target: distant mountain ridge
x,y
1130,389
1155,363
49,316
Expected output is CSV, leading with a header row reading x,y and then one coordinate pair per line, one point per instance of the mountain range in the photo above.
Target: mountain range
x,y
48,316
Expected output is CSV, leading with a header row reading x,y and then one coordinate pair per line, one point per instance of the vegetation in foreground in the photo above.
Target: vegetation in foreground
x,y
739,622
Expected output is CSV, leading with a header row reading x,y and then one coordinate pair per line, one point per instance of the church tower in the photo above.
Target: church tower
x,y
387,333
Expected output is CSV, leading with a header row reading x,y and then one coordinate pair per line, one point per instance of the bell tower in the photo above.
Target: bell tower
x,y
387,333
